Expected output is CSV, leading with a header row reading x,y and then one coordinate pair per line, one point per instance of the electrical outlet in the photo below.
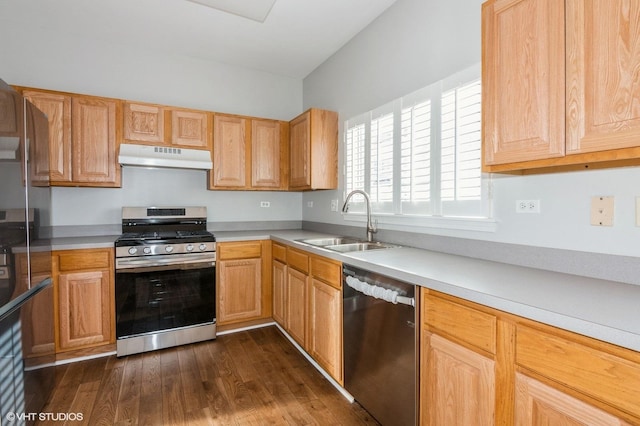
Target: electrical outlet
x,y
309,204
265,204
334,205
602,211
528,206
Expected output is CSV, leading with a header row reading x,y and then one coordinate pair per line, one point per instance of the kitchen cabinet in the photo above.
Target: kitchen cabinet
x,y
457,367
248,153
314,150
231,152
539,404
243,281
558,85
483,366
279,273
325,315
268,154
38,334
150,124
57,108
84,287
83,138
95,144
307,303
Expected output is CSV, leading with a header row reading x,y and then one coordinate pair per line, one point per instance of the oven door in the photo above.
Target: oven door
x,y
152,299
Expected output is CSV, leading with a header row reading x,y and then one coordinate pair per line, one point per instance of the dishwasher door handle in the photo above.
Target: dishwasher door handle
x,y
378,292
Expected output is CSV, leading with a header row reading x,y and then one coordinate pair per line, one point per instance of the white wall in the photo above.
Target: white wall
x,y
36,57
417,42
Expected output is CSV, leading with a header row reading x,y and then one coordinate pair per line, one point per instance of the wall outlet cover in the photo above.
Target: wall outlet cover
x,y
602,211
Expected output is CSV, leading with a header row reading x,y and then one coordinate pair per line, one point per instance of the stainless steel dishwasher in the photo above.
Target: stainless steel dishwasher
x,y
380,345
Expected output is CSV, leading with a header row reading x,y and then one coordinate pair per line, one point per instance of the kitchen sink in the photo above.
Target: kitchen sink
x,y
346,244
359,246
330,241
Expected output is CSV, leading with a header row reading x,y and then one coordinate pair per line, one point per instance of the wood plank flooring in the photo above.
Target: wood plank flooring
x,y
253,377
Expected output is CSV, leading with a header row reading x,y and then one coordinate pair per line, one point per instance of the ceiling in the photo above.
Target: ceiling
x,y
295,37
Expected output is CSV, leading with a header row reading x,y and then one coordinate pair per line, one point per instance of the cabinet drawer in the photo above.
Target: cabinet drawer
x,y
298,260
279,252
467,324
593,372
327,270
74,260
239,250
40,263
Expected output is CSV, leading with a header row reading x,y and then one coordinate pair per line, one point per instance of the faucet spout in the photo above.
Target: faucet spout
x,y
371,228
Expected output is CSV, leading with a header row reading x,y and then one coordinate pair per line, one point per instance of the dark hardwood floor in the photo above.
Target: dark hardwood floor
x,y
253,377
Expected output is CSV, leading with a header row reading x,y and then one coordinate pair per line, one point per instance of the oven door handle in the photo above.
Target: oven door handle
x,y
149,265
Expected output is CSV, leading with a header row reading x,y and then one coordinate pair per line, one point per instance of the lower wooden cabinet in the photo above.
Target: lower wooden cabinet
x,y
325,327
84,309
539,404
243,283
307,303
84,288
279,280
37,316
296,305
483,366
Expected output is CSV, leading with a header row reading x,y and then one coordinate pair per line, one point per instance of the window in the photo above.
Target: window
x,y
421,154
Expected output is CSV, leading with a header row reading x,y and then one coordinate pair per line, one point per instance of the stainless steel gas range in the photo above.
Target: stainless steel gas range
x,y
165,279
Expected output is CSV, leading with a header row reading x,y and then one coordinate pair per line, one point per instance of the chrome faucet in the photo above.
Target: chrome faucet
x,y
371,228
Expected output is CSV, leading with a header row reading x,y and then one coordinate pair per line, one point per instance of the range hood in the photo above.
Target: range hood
x,y
9,147
164,156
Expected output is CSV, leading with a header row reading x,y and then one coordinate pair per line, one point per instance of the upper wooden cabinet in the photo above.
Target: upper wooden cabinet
x,y
95,146
150,124
314,150
559,84
83,138
248,153
230,152
57,108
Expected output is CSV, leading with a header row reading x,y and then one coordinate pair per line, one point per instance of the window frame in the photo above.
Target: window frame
x,y
441,214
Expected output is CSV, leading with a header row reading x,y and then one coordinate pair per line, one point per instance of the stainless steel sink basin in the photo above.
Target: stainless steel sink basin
x,y
346,244
359,246
330,241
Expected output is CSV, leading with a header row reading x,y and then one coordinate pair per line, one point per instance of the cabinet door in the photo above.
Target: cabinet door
x,y
300,151
38,336
239,290
94,142
523,80
57,108
265,154
279,292
296,308
325,327
603,59
84,309
144,123
458,385
229,151
538,405
190,129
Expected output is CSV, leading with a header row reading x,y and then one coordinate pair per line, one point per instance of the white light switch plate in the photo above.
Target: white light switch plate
x,y
602,211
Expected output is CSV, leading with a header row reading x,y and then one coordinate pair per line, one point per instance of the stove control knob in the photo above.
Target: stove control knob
x,y
133,250
147,250
203,247
168,249
189,247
